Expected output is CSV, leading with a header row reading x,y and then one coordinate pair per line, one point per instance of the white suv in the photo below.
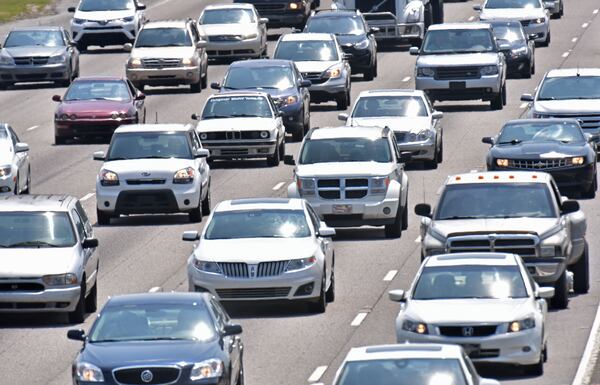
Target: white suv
x,y
353,176
153,168
106,22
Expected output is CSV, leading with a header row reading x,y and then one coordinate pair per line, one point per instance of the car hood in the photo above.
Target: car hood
x,y
570,106
103,15
34,262
162,52
404,124
512,14
314,66
350,40
459,59
227,29
157,168
254,250
494,225
344,169
236,124
89,108
469,311
539,150
109,355
25,51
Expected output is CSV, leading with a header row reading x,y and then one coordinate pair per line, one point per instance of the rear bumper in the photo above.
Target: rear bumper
x,y
79,128
164,76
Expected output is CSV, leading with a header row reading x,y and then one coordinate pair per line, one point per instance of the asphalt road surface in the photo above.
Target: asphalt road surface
x,y
284,344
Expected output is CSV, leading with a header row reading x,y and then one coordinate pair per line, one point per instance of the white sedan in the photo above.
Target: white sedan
x,y
15,168
485,302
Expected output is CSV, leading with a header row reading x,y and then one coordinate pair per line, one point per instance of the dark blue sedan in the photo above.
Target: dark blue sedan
x,y
160,338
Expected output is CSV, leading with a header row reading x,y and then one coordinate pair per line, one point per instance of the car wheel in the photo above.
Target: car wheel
x,y
536,369
330,294
496,102
342,101
204,81
405,218
590,193
370,73
320,304
282,148
394,230
91,302
196,87
58,140
440,153
561,13
561,292
16,188
77,316
207,202
546,42
581,273
533,67
196,214
526,73
82,47
27,189
273,160
103,217
240,379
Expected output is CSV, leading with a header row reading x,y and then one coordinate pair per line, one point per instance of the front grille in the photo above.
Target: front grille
x,y
261,292
235,151
234,269
243,270
26,305
538,164
468,331
225,38
34,60
525,23
587,122
351,188
451,73
524,245
137,182
314,77
271,269
261,7
232,135
158,375
146,202
485,353
31,77
161,63
21,287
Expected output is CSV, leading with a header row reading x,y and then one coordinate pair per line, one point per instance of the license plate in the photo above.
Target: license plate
x,y
342,209
458,85
471,348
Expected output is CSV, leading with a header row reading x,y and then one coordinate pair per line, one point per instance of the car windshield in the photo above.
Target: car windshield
x,y
566,132
336,25
115,90
456,41
258,224
106,5
346,150
149,145
227,16
529,4
494,200
308,50
237,106
154,322
407,371
163,37
570,87
264,77
36,229
511,34
470,281
385,106
34,38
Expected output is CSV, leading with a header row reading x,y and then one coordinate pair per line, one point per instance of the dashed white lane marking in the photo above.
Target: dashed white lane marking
x,y
523,105
155,289
585,25
390,275
586,365
595,12
565,54
32,128
471,18
418,240
317,374
87,196
360,317
406,79
278,186
574,40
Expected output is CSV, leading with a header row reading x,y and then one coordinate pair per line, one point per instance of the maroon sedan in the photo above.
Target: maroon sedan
x,y
96,107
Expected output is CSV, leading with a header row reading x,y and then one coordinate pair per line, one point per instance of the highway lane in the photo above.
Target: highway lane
x,y
283,343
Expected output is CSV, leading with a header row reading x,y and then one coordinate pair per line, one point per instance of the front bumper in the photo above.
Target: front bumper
x,y
63,299
169,198
363,213
164,76
34,73
80,128
361,59
540,30
242,48
246,150
293,116
483,88
545,270
581,177
420,150
328,90
8,183
515,65
113,32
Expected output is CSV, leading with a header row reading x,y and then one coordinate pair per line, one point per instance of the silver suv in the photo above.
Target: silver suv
x,y
353,176
462,61
517,212
48,260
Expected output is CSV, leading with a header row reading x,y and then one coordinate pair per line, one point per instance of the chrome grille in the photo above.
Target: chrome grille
x,y
450,73
525,23
161,63
259,292
538,164
271,269
224,38
35,60
234,269
160,375
314,77
344,188
524,245
136,182
261,270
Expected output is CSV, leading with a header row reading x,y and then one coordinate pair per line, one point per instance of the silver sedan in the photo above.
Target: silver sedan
x,y
15,169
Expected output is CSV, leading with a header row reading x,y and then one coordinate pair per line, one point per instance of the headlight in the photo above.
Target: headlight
x,y
203,136
425,135
425,72
300,264
334,73
60,279
119,115
128,19
250,36
578,160
134,63
362,44
88,373
212,368
57,59
540,20
184,176
380,184
547,251
109,178
207,266
517,326
502,162
489,70
6,60
413,15
288,100
66,117
519,52
297,5
264,134
306,186
79,21
5,170
188,61
415,327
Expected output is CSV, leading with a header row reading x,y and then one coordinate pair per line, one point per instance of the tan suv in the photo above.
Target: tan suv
x,y
168,53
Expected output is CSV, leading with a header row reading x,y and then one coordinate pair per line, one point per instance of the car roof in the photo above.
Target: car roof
x,y
260,204
447,26
347,132
233,93
400,351
500,177
37,28
487,259
36,202
150,298
307,36
166,24
97,78
262,63
229,6
392,92
568,72
160,127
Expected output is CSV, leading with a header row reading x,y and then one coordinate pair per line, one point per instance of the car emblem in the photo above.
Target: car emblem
x,y
147,376
103,22
467,331
252,270
146,173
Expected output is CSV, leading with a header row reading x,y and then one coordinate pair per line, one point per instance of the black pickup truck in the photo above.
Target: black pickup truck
x,y
284,13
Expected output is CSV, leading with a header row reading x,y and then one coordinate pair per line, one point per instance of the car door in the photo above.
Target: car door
x,y
325,244
94,261
20,159
302,91
201,52
278,119
232,345
575,224
138,102
200,164
88,268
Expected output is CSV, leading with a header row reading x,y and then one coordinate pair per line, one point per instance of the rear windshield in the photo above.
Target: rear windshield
x,y
324,50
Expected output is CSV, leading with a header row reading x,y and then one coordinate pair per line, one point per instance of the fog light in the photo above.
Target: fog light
x,y
186,202
4,189
305,289
526,349
106,204
386,210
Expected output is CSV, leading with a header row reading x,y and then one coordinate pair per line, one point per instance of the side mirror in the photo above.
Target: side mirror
x,y
71,9
99,155
423,210
140,96
76,334
215,86
437,115
477,7
21,147
56,98
127,47
201,44
397,295
202,153
527,98
405,157
414,51
545,292
343,117
289,160
141,7
190,236
89,243
589,137
263,20
304,83
231,330
569,206
488,140
325,231
195,117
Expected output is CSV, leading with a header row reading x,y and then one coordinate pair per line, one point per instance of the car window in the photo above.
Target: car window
x,y
163,37
36,229
106,5
194,140
79,227
131,88
308,50
570,87
471,369
115,90
497,4
265,223
84,218
222,317
385,106
221,107
228,16
562,132
314,218
457,41
195,35
149,145
13,136
260,78
342,25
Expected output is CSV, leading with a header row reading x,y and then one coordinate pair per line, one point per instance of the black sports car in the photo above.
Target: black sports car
x,y
160,338
556,146
520,59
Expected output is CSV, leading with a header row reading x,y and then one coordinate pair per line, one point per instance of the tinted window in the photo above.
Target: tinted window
x,y
106,5
571,87
163,37
34,38
258,224
324,50
540,132
141,145
383,106
336,25
237,106
346,150
36,229
279,78
227,16
495,4
98,90
458,41
494,200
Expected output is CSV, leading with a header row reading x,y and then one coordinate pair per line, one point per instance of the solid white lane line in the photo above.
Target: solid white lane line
x,y
523,105
471,18
586,365
32,128
360,317
574,40
418,240
317,374
585,25
278,186
565,54
87,196
155,289
406,79
390,275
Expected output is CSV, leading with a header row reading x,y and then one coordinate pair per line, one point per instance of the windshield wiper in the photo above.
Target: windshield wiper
x,y
118,158
215,117
156,157
245,116
512,141
548,98
460,217
33,243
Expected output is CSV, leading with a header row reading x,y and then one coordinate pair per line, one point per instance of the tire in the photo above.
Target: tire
x,y
342,101
298,134
91,302
240,379
526,73
16,188
561,13
496,103
394,230
196,214
273,160
561,292
206,203
28,189
546,42
581,273
439,157
533,67
369,74
330,293
282,148
59,140
320,304
82,47
405,218
535,369
196,87
590,192
504,98
77,316
204,81
103,218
